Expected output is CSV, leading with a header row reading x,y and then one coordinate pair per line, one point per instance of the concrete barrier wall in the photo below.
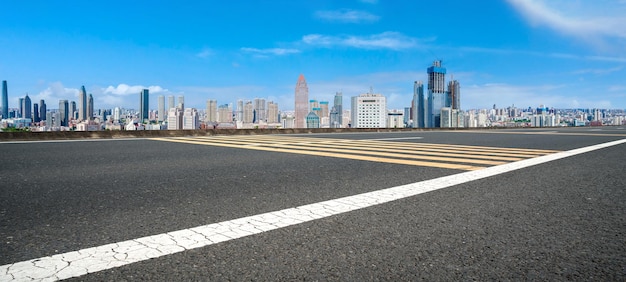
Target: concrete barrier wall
x,y
64,135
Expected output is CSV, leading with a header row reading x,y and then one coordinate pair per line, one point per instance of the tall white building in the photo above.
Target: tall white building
x,y
248,112
191,119
161,113
369,111
170,102
259,110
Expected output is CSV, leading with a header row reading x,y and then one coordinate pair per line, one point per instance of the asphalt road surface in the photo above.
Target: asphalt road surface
x,y
67,206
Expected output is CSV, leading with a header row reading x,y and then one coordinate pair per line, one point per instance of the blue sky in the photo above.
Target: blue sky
x,y
559,53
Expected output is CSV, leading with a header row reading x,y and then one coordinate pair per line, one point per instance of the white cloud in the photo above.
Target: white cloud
x,y
270,51
205,53
386,40
347,16
125,89
596,22
376,1
598,71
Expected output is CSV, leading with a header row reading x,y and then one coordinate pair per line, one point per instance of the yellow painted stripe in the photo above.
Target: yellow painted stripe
x,y
419,147
247,145
365,147
327,154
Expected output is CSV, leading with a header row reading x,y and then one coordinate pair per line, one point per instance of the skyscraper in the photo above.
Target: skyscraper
x,y
27,110
418,109
161,108
89,107
72,113
454,94
170,102
5,100
181,102
36,113
211,110
336,113
82,104
436,94
272,112
63,111
143,105
259,110
42,110
301,103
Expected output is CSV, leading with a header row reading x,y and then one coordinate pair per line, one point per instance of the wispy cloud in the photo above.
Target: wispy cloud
x,y
205,53
386,40
614,59
595,22
598,71
270,51
347,16
376,1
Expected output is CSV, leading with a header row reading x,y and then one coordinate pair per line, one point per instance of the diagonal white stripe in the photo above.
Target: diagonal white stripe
x,y
77,263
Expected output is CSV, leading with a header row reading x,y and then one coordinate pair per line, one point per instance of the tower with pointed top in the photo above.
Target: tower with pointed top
x,y
301,103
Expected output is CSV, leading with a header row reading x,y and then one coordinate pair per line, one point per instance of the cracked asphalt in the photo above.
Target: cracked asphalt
x,y
562,220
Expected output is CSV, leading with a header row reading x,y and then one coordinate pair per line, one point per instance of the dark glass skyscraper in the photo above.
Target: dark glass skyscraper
x,y
42,110
5,100
143,105
89,107
64,111
27,108
454,95
36,113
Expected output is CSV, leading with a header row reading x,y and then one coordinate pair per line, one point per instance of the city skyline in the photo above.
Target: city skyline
x,y
560,54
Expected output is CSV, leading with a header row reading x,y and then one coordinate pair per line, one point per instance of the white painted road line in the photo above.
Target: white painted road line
x,y
81,262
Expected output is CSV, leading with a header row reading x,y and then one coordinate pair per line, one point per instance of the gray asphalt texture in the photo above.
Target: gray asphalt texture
x,y
562,220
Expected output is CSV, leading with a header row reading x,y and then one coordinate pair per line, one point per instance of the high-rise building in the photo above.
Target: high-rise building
x,y
225,113
418,110
181,103
144,97
191,119
27,110
72,113
90,107
211,110
454,95
161,113
170,103
239,114
248,112
436,94
36,113
5,100
82,104
259,110
369,111
42,110
301,102
21,109
175,119
336,113
63,112
272,112
117,114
